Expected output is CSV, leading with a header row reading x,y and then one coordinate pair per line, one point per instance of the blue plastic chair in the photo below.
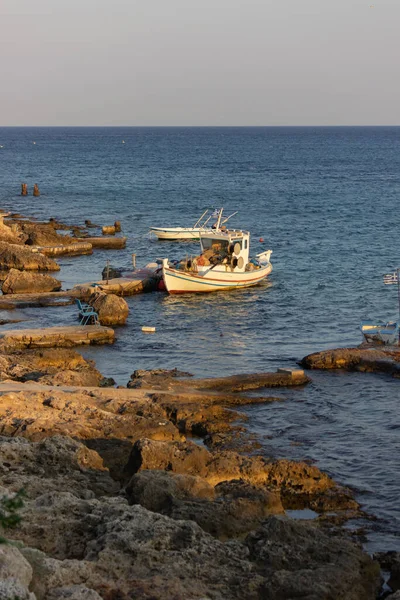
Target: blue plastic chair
x,y
87,314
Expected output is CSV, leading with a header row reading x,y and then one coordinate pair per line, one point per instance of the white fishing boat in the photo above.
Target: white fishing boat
x,y
379,332
187,233
223,264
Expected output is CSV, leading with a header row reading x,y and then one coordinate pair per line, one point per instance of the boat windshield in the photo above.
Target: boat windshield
x,y
217,246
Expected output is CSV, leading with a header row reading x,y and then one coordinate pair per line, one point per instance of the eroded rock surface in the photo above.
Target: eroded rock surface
x,y
112,309
13,256
370,360
56,366
23,282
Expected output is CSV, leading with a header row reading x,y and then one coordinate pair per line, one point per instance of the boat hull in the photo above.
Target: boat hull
x,y
380,333
182,282
177,233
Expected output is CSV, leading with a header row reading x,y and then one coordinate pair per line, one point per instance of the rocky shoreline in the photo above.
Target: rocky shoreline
x,y
156,490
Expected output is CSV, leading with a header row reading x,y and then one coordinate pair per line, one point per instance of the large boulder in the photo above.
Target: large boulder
x,y
112,309
23,282
13,256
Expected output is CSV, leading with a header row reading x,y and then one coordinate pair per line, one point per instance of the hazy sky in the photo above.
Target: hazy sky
x,y
199,62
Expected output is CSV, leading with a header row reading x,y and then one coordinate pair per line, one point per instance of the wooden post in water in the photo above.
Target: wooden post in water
x,y
134,260
36,191
117,226
108,270
24,189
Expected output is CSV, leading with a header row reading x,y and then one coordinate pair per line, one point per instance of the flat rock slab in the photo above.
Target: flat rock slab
x,y
120,286
110,243
61,337
70,249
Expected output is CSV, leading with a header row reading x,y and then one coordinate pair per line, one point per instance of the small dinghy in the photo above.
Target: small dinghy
x,y
379,332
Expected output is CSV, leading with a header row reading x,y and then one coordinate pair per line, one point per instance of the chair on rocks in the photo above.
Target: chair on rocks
x,y
87,314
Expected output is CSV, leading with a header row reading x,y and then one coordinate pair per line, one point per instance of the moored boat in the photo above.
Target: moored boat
x,y
188,233
379,332
223,264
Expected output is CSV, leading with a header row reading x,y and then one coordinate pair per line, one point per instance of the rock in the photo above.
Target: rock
x,y
370,360
8,234
300,484
110,272
157,490
73,592
13,564
36,191
117,226
109,427
50,465
297,562
12,589
23,282
112,309
238,508
108,230
13,256
390,561
24,189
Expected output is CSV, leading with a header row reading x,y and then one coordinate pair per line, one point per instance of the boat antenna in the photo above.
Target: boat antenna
x,y
227,218
203,215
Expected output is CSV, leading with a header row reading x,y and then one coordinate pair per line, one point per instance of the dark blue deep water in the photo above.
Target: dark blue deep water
x,y
324,199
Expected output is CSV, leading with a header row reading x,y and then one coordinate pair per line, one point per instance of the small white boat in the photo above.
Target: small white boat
x,y
187,233
223,264
379,332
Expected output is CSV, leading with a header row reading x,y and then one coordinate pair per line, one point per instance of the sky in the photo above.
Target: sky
x,y
199,62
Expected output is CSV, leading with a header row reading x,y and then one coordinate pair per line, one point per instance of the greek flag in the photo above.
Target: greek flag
x,y
390,278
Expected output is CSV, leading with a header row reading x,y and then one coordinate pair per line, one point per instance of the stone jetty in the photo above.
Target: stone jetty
x,y
57,337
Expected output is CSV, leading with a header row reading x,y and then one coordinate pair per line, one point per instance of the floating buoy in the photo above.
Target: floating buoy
x,y
123,141
261,240
148,329
33,142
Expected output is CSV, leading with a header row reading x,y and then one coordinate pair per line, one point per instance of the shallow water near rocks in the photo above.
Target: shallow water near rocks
x,y
324,199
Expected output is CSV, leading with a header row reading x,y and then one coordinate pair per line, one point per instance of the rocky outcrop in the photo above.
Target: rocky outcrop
x,y
228,510
300,485
109,426
13,256
44,234
23,282
369,360
80,538
112,309
49,366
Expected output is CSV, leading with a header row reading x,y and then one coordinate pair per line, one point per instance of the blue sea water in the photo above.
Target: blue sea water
x,y
324,199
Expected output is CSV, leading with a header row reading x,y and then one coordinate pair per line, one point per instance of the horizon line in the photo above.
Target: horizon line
x,y
188,126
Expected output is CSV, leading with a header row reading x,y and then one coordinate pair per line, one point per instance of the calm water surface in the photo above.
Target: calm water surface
x,y
324,199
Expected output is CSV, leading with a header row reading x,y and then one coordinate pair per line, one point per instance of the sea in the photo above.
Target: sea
x,y
325,200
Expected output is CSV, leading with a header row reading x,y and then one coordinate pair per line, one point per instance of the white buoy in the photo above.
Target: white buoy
x,y
148,329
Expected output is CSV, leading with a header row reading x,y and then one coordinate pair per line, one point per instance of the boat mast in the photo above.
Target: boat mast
x,y
199,221
218,224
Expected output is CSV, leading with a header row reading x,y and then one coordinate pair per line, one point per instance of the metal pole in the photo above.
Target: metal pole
x,y
134,260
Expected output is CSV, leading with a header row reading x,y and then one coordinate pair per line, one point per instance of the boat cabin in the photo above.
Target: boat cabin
x,y
230,248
